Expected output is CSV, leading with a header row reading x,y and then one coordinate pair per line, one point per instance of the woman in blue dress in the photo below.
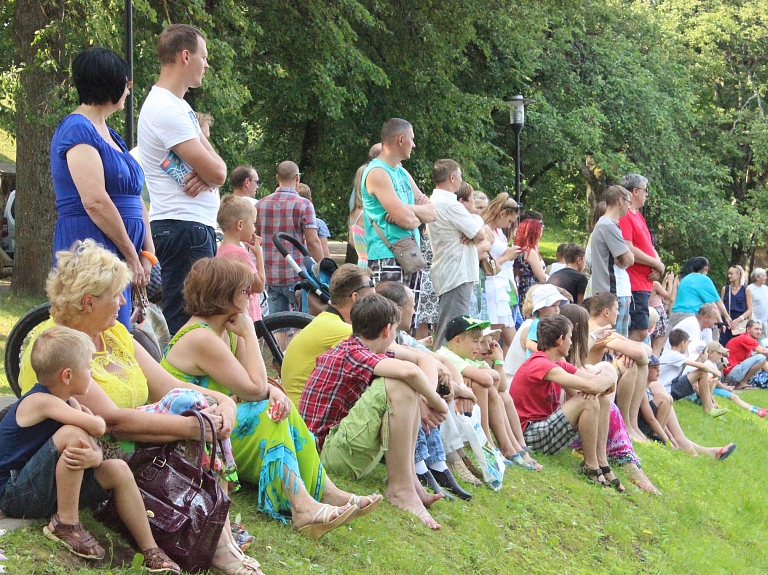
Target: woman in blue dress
x,y
97,182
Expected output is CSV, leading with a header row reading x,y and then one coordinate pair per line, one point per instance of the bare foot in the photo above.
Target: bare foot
x,y
427,499
640,479
637,436
412,504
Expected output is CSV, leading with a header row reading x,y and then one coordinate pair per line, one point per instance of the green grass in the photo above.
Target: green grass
x,y
709,519
7,147
11,308
554,235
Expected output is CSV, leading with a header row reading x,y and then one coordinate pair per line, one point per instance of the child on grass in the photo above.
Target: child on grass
x,y
680,384
713,357
463,335
50,466
237,218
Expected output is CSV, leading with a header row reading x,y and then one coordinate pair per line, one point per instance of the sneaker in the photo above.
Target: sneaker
x,y
459,469
762,412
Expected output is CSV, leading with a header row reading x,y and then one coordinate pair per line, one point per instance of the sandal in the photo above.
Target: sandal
x,y
323,521
472,468
374,500
724,452
717,412
155,559
615,482
594,475
242,565
459,469
75,538
517,459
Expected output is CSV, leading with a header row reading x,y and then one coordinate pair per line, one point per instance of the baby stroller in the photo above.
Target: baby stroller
x,y
315,279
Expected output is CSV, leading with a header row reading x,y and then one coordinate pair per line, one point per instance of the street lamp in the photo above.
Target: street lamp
x,y
517,119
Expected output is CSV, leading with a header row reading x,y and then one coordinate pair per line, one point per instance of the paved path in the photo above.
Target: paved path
x,y
6,400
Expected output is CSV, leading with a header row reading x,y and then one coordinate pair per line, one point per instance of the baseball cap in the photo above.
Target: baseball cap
x,y
715,346
462,323
489,331
653,360
546,295
695,348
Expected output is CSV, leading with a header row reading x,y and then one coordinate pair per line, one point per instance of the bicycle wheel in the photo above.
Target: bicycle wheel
x,y
19,338
275,332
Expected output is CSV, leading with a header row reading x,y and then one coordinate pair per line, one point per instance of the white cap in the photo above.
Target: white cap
x,y
546,295
489,331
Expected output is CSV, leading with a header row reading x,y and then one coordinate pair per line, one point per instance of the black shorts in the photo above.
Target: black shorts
x,y
643,424
638,310
681,387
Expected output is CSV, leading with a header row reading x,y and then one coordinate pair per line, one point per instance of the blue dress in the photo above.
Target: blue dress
x,y
123,178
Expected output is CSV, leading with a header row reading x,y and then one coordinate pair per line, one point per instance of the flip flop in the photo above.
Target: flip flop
x,y
724,452
374,498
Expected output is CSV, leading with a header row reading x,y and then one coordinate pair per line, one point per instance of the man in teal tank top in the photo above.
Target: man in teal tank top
x,y
392,200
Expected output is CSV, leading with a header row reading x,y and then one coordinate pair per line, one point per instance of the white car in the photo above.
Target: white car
x,y
9,226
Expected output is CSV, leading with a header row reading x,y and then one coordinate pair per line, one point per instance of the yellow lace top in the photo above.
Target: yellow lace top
x,y
115,370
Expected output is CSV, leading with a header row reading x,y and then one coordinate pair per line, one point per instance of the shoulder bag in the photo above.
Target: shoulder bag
x,y
406,251
186,506
489,266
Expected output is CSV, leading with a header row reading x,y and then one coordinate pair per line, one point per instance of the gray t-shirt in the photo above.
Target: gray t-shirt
x,y
607,244
759,303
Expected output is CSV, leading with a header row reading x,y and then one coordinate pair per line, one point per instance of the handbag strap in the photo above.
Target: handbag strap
x,y
202,419
381,234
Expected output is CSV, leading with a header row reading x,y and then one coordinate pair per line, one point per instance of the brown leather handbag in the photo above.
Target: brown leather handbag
x,y
489,266
186,506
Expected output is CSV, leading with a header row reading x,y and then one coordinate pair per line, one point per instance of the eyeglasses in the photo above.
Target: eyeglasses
x,y
256,181
370,284
248,290
129,84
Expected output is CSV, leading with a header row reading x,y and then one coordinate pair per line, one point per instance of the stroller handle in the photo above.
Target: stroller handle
x,y
279,237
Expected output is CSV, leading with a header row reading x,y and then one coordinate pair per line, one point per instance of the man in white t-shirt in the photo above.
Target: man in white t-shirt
x,y
759,292
182,170
455,267
699,326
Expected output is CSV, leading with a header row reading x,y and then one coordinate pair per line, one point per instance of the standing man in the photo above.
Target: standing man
x,y
610,256
759,296
647,267
393,201
245,182
285,210
182,169
455,267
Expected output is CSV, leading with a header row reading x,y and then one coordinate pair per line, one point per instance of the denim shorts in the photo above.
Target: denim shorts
x,y
281,298
31,491
740,370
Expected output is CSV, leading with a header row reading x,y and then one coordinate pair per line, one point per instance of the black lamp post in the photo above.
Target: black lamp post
x,y
517,119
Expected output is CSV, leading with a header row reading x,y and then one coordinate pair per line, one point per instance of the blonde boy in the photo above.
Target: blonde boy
x,y
49,462
236,218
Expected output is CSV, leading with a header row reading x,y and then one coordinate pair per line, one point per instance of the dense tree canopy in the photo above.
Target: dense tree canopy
x,y
672,89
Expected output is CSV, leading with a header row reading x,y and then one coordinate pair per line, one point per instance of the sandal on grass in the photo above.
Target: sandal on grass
x,y
373,502
155,561
724,452
717,412
241,565
324,520
75,538
594,475
615,482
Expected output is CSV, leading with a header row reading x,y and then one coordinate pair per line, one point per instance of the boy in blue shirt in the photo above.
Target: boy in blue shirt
x,y
50,465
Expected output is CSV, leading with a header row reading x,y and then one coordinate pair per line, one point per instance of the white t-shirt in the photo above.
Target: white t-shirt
x,y
516,354
556,267
671,365
759,302
690,325
453,263
164,122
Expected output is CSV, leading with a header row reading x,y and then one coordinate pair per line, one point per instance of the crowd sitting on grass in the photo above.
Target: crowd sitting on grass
x,y
524,364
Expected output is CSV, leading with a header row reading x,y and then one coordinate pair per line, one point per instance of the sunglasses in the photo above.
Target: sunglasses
x,y
370,284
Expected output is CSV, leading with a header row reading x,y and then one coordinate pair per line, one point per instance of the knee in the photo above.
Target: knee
x,y
69,435
399,392
662,398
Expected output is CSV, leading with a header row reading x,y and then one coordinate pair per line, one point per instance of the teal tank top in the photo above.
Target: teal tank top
x,y
375,211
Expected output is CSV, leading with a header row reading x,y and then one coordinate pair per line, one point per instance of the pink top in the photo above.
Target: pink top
x,y
239,253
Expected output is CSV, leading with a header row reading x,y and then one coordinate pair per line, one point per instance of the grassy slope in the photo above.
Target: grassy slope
x,y
709,518
7,147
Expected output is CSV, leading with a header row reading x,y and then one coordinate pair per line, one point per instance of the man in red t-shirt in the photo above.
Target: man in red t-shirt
x,y
647,267
549,426
742,365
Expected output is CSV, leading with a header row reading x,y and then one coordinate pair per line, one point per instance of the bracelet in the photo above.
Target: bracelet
x,y
498,362
150,256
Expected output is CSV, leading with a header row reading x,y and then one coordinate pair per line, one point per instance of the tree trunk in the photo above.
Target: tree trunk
x,y
35,206
596,186
310,147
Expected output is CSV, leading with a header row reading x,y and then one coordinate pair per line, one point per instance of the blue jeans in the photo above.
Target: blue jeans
x,y
178,245
31,491
429,448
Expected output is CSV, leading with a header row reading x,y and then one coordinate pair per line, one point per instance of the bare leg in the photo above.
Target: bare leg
x,y
335,496
625,396
637,397
582,412
403,422
675,432
603,422
657,344
482,395
68,481
752,371
500,425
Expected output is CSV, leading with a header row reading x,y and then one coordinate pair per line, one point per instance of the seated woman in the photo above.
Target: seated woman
x,y
218,349
86,292
619,445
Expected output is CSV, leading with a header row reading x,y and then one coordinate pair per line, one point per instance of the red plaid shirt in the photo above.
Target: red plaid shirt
x,y
340,377
283,211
